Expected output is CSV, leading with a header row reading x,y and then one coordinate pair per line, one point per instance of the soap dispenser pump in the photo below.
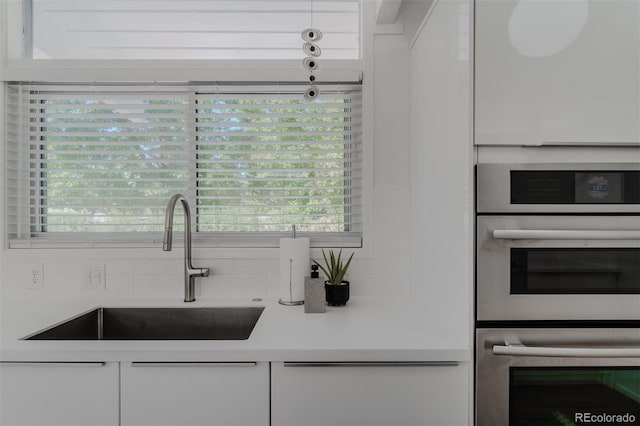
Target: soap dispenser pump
x,y
314,294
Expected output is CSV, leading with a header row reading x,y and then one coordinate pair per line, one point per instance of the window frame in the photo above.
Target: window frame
x,y
33,228
136,71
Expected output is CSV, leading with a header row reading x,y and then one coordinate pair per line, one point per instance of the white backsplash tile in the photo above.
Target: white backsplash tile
x,y
256,266
119,285
159,285
236,286
240,277
381,285
216,266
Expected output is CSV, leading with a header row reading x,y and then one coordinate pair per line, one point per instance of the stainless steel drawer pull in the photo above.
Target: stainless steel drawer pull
x,y
194,364
53,364
586,143
374,364
523,350
555,234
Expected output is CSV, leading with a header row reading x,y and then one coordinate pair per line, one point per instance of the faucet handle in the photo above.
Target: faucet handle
x,y
167,239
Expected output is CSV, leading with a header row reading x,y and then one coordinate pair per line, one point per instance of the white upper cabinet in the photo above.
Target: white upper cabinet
x,y
557,72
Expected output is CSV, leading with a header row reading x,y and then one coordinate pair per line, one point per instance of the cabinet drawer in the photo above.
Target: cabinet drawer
x,y
58,394
324,394
199,393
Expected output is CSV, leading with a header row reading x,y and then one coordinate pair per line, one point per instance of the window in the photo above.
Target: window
x,y
188,29
96,164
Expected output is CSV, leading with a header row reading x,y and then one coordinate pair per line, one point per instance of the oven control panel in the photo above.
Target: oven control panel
x,y
558,188
574,187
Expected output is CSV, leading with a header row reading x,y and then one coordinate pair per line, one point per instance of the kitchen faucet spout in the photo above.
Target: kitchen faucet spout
x,y
190,273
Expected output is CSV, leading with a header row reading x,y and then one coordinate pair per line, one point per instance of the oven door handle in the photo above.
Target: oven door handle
x,y
599,352
560,234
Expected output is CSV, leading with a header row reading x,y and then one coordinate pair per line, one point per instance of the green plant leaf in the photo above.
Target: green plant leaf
x,y
326,273
334,269
343,270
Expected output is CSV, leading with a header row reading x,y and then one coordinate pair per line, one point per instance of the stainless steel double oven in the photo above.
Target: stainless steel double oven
x,y
558,294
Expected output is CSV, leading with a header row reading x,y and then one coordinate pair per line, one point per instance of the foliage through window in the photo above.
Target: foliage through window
x,y
100,163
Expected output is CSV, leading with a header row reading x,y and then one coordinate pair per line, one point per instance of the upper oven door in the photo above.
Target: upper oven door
x,y
527,377
558,268
558,188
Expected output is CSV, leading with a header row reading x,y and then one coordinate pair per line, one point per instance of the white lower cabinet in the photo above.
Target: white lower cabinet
x,y
233,394
59,393
328,394
229,394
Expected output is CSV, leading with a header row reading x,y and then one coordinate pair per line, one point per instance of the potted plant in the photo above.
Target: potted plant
x,y
336,287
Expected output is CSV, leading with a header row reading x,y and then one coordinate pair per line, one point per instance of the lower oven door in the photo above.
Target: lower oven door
x,y
558,268
530,377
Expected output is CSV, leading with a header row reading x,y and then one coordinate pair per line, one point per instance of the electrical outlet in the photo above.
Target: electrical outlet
x,y
35,279
95,277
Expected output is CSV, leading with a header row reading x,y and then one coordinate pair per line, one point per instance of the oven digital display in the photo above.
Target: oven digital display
x,y
574,396
574,187
598,187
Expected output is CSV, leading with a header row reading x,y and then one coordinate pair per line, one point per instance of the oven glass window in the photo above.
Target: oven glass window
x,y
574,396
575,271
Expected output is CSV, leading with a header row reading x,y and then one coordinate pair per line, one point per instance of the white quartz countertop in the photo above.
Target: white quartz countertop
x,y
365,330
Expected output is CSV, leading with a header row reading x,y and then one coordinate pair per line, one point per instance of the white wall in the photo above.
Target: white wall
x,y
441,165
382,268
419,243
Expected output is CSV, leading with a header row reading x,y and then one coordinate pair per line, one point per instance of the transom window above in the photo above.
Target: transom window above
x,y
97,164
188,29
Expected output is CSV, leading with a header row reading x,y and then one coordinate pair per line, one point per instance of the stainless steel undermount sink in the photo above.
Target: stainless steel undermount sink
x,y
207,323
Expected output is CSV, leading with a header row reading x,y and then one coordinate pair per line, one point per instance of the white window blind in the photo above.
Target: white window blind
x,y
190,29
97,164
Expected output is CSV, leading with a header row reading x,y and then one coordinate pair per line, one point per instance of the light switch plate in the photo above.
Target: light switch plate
x,y
95,277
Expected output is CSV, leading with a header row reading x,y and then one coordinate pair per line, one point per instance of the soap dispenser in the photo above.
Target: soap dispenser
x,y
314,295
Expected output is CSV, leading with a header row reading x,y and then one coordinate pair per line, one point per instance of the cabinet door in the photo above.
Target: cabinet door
x,y
557,72
58,394
337,394
195,394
